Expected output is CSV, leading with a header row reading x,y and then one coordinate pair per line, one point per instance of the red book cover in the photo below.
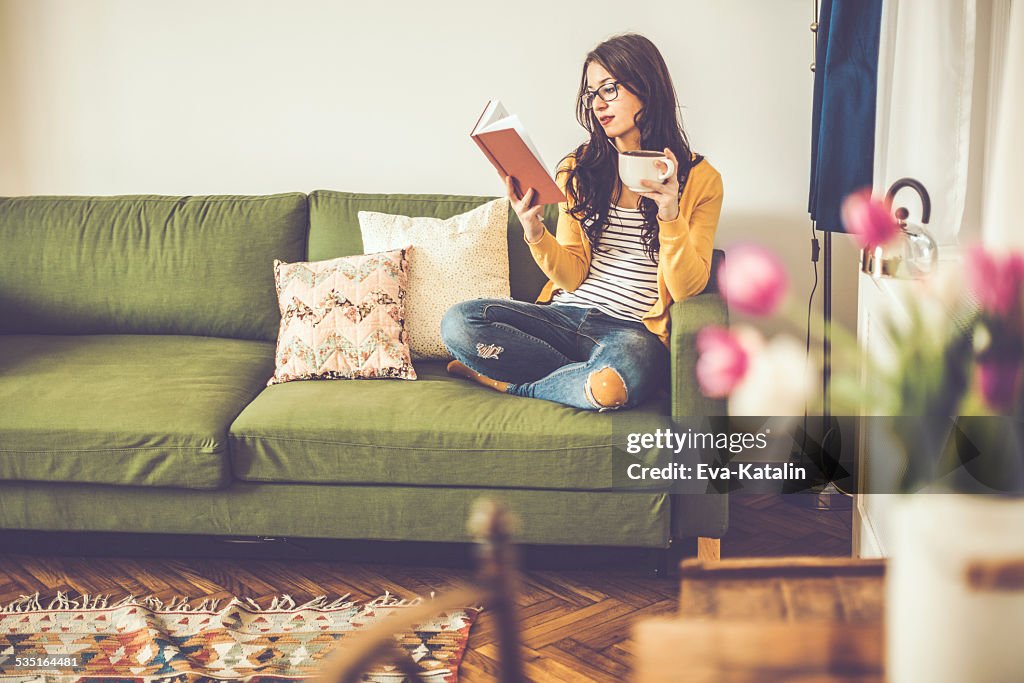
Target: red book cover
x,y
503,140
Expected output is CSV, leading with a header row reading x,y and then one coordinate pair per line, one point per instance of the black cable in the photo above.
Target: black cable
x,y
814,246
807,342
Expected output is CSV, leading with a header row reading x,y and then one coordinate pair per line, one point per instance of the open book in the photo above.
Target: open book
x,y
504,141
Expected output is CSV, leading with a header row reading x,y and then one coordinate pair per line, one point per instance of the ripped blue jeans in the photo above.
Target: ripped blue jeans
x,y
551,351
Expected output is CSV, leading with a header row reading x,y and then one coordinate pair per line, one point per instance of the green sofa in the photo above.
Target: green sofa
x,y
136,339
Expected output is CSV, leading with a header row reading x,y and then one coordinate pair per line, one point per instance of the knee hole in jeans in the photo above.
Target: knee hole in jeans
x,y
606,388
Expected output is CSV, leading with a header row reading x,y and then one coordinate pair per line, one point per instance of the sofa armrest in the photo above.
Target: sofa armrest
x,y
695,514
688,317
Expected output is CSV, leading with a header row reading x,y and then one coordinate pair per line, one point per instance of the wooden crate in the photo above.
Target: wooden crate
x,y
785,619
783,589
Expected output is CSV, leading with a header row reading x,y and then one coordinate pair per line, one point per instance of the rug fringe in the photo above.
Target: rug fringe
x,y
389,600
282,603
26,603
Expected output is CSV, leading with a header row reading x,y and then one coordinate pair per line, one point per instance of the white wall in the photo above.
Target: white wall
x,y
197,97
11,166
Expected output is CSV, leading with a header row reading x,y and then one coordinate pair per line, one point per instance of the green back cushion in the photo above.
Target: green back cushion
x,y
334,228
146,264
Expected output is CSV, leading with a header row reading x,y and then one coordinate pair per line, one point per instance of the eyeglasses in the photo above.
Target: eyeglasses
x,y
607,92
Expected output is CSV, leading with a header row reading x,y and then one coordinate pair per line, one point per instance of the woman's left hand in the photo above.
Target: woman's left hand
x,y
666,193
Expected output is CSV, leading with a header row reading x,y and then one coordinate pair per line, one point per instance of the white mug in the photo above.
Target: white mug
x,y
638,165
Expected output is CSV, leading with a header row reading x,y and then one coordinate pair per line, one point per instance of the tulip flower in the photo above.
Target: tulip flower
x,y
753,280
999,383
778,380
869,221
721,363
997,281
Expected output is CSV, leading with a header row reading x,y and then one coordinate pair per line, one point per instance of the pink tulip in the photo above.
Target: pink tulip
x,y
753,280
722,361
999,383
996,280
868,220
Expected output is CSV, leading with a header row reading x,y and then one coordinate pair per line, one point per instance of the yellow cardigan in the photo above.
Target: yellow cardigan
x,y
684,260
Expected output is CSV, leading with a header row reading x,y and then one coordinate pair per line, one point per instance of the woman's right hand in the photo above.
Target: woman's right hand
x,y
530,217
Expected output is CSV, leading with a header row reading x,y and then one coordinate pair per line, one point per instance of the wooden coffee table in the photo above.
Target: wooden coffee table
x,y
797,619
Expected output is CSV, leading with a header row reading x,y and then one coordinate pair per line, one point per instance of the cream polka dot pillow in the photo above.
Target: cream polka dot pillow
x,y
452,260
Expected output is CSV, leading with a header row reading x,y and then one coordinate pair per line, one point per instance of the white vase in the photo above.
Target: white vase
x,y
941,626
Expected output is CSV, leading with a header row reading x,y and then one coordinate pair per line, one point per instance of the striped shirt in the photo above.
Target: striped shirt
x,y
622,281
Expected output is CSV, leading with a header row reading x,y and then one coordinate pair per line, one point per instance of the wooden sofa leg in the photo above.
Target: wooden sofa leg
x,y
709,549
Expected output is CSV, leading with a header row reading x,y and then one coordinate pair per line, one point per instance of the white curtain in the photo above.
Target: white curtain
x,y
926,84
950,102
1003,211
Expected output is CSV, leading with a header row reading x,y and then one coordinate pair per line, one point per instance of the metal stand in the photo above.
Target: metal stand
x,y
826,344
826,496
829,496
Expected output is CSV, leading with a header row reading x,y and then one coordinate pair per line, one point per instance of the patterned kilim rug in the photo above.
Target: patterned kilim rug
x,y
146,640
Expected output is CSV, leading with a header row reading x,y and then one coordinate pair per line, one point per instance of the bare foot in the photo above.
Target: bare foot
x,y
460,369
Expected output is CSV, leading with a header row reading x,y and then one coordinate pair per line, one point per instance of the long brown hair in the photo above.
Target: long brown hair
x,y
592,184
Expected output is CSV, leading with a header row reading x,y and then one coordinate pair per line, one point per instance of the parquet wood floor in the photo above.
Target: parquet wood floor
x,y
575,622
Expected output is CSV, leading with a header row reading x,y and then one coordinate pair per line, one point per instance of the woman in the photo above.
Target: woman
x,y
618,260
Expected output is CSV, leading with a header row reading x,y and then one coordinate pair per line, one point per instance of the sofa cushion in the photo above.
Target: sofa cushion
x,y
451,260
343,318
146,264
124,409
437,431
334,228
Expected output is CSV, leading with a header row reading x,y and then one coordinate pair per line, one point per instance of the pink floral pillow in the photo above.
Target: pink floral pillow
x,y
343,318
